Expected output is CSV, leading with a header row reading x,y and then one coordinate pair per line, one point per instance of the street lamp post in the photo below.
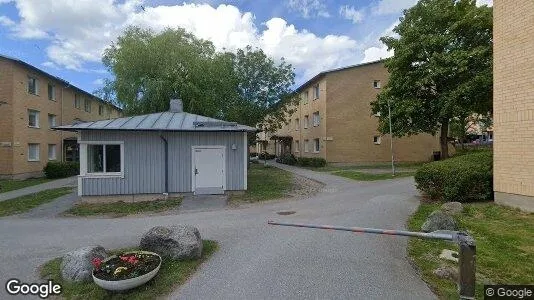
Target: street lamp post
x,y
391,140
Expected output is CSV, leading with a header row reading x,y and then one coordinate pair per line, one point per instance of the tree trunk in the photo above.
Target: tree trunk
x,y
443,139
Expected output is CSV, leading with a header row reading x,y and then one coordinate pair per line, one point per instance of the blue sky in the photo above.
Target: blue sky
x,y
67,37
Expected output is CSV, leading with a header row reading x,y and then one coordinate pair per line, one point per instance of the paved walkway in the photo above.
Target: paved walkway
x,y
203,203
64,182
52,209
255,260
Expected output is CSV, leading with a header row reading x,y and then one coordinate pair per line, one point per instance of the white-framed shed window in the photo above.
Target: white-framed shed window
x,y
306,146
377,139
316,145
33,118
102,158
51,92
51,120
306,121
297,146
316,119
33,85
376,84
297,124
52,152
33,152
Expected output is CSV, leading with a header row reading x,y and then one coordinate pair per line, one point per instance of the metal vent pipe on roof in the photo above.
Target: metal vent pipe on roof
x,y
176,106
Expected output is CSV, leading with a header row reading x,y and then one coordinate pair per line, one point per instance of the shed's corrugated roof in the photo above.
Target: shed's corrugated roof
x,y
164,121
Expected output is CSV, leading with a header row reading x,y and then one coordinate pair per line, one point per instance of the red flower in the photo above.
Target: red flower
x,y
96,262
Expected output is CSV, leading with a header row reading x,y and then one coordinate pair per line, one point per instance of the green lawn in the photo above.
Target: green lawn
x,y
505,247
172,274
364,176
10,185
265,183
121,208
25,203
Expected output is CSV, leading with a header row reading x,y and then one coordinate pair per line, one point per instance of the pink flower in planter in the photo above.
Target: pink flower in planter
x,y
96,262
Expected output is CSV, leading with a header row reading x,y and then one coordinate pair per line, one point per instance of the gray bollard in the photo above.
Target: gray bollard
x,y
466,262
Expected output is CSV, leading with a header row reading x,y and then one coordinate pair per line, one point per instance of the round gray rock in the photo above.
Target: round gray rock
x,y
77,265
452,208
446,273
439,220
177,242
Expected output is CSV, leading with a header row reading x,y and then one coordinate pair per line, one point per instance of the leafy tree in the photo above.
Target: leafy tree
x,y
150,68
441,68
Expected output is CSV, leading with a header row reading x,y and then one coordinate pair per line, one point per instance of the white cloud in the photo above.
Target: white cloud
x,y
485,2
79,32
98,81
5,21
379,50
350,13
387,7
50,64
309,8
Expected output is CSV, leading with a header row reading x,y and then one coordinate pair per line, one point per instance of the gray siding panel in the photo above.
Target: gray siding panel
x,y
144,161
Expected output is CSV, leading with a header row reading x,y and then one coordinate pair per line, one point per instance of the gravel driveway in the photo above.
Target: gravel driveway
x,y
257,261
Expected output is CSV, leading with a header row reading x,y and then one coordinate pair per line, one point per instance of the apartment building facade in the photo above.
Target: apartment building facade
x,y
31,103
333,120
513,103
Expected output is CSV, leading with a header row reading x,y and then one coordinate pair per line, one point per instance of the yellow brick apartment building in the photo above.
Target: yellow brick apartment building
x,y
333,120
31,102
513,102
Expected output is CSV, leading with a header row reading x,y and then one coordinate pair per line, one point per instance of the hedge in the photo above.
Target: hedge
x,y
315,162
264,155
57,169
464,178
288,159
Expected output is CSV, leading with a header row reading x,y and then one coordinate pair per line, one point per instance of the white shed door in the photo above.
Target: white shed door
x,y
208,170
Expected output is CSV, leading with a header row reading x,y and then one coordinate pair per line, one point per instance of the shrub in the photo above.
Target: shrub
x,y
315,162
253,154
58,169
266,155
288,159
464,178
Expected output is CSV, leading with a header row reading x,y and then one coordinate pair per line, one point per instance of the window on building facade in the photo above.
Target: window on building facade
x,y
33,152
51,152
297,146
33,118
100,109
305,97
77,101
87,105
316,145
376,84
51,120
51,92
306,145
33,85
316,91
306,121
377,114
103,159
316,119
377,140
297,124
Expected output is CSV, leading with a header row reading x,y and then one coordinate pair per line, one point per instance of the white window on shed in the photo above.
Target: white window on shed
x,y
104,159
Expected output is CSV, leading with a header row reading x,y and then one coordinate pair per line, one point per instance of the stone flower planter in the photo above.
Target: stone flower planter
x,y
126,271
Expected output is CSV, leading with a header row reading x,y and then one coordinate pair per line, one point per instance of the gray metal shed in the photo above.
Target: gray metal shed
x,y
161,153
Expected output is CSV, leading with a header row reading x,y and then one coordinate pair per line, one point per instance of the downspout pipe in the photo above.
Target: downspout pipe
x,y
166,144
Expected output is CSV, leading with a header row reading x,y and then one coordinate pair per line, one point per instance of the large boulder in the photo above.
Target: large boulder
x,y
77,265
438,220
452,208
177,242
446,273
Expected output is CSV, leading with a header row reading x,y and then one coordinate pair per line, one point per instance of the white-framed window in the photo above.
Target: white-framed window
x,y
297,146
316,92
77,101
33,152
100,109
306,146
102,158
33,85
51,120
377,139
51,92
51,151
316,145
297,124
33,118
305,97
376,84
306,121
87,104
316,119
